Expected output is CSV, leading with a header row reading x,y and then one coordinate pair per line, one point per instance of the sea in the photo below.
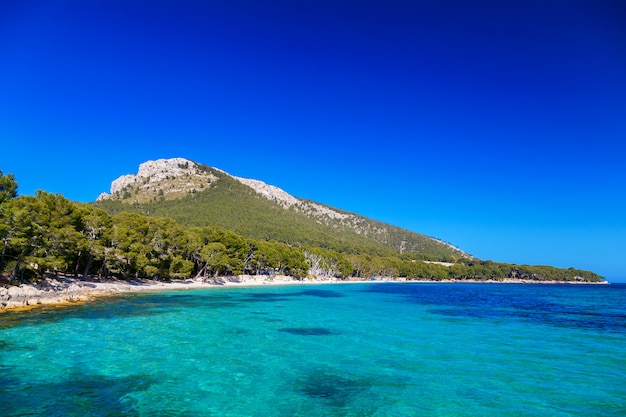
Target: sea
x,y
372,349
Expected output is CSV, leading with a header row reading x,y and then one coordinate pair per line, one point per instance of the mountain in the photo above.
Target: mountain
x,y
198,195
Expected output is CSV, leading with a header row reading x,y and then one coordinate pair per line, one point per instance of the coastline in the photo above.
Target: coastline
x,y
73,291
68,291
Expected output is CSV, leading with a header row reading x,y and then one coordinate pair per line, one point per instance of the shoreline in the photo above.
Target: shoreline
x,y
73,291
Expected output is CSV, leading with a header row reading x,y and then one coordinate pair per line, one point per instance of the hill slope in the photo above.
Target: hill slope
x,y
198,195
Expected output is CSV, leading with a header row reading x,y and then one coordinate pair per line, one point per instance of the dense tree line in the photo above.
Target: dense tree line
x,y
49,234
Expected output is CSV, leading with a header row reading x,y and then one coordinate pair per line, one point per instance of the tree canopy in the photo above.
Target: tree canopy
x,y
8,187
49,234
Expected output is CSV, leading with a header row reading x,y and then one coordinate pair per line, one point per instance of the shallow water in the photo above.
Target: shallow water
x,y
332,350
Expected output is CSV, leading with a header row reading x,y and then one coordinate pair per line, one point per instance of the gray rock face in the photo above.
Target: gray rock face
x,y
153,172
156,171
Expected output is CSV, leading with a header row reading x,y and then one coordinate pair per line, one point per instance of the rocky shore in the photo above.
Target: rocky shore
x,y
59,291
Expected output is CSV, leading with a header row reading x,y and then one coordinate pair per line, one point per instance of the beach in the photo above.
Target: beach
x,y
66,290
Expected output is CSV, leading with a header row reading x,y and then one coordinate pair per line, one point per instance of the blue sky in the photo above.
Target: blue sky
x,y
499,126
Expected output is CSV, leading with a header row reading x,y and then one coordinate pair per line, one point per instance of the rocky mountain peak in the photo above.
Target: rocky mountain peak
x,y
173,178
162,168
170,178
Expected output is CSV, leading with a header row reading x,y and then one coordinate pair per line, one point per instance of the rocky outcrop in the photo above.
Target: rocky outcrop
x,y
57,291
156,171
166,178
49,291
311,209
270,192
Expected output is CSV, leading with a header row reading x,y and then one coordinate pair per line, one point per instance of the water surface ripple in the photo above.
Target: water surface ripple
x,y
341,350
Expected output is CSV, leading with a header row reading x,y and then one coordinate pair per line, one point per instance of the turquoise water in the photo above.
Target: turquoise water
x,y
329,350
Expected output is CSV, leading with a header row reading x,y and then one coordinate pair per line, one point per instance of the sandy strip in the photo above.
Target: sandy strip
x,y
63,291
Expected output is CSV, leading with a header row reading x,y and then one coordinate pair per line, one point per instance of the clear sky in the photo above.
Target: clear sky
x,y
498,126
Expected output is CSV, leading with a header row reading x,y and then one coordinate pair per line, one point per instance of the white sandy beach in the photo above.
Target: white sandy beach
x,y
63,291
70,290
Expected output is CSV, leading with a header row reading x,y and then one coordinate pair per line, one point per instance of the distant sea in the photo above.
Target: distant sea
x,y
380,349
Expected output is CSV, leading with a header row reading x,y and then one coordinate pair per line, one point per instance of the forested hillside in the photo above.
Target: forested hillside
x,y
233,206
48,234
232,203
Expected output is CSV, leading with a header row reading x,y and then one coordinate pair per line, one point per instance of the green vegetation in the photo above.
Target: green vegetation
x,y
231,205
8,187
48,234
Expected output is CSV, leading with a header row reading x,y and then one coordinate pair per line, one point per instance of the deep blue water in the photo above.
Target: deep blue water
x,y
381,349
